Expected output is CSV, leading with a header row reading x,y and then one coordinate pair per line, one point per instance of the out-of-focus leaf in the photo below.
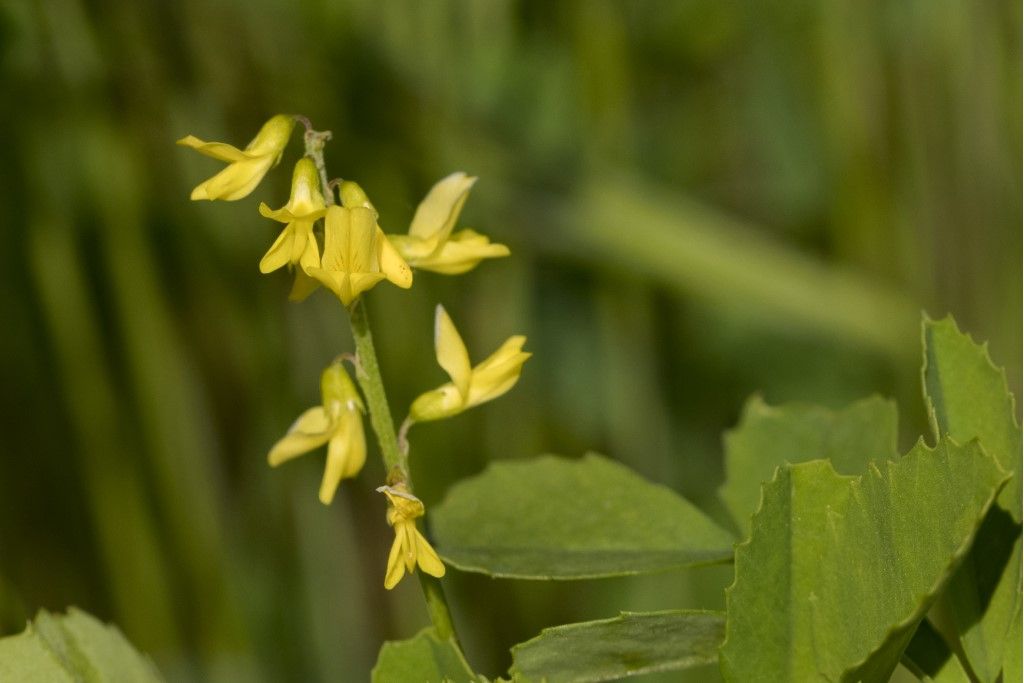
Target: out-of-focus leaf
x,y
770,436
629,644
555,518
839,570
967,398
424,657
73,647
930,659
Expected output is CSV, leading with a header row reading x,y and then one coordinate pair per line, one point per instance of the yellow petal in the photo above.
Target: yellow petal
x,y
451,350
363,241
427,558
279,253
405,505
272,137
461,253
409,546
303,286
396,567
218,150
236,181
337,387
310,431
352,195
412,249
346,454
445,401
305,198
392,264
499,373
436,215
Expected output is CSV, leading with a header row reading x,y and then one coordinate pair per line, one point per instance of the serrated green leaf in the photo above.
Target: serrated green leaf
x,y
629,644
768,436
840,570
967,398
424,657
73,647
930,659
555,518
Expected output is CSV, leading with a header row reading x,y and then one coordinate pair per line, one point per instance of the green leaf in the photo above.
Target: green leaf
x,y
554,518
930,658
839,570
73,647
629,644
769,436
424,657
967,398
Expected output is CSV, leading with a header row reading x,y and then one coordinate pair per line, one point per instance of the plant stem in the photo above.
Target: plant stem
x,y
395,459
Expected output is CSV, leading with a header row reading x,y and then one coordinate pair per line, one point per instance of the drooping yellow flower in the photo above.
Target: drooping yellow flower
x,y
470,386
296,245
394,267
337,423
410,547
351,262
247,167
431,244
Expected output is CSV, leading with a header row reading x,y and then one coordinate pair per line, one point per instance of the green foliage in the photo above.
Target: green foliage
x,y
839,570
424,657
768,436
629,644
554,518
928,655
73,647
967,398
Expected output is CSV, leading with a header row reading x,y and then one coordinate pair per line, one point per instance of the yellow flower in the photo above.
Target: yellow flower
x,y
410,547
353,247
338,423
469,386
431,245
296,244
394,267
247,167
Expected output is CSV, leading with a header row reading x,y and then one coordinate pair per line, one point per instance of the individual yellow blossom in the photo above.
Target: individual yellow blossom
x,y
469,386
247,167
394,267
410,547
431,245
338,423
351,262
296,245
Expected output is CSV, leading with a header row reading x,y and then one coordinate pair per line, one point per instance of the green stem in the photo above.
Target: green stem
x,y
395,459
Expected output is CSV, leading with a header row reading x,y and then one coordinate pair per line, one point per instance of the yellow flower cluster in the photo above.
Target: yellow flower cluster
x,y
350,257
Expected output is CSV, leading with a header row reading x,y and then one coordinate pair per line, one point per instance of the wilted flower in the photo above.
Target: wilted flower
x,y
410,547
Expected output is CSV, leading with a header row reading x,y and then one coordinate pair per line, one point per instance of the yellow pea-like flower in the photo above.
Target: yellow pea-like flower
x,y
431,244
246,167
337,423
296,245
352,260
470,386
394,267
410,548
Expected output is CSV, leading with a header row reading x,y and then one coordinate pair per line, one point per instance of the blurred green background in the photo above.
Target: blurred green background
x,y
704,200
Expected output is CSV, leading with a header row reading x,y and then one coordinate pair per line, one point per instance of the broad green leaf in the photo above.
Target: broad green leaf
x,y
555,518
629,644
73,647
967,398
839,570
929,657
424,657
769,436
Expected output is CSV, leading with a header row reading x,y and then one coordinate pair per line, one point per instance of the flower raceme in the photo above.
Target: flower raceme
x,y
410,547
431,245
470,386
337,423
296,245
357,255
246,167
